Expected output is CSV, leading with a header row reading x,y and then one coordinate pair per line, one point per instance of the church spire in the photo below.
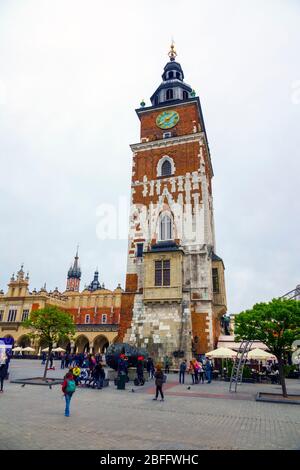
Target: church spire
x,y
74,274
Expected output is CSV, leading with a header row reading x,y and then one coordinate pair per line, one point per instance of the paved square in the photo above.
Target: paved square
x,y
205,417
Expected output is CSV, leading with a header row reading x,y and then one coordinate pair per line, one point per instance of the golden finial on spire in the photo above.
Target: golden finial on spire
x,y
172,53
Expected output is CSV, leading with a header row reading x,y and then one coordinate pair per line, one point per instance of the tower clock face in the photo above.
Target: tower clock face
x,y
167,119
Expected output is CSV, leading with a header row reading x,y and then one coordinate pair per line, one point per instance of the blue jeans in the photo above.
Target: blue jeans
x,y
208,375
181,377
68,397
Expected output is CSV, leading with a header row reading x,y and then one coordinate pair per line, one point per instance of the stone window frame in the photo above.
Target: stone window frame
x,y
12,314
160,164
25,314
162,273
87,316
164,215
216,281
104,318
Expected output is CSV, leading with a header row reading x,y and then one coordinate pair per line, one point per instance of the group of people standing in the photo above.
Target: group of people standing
x,y
197,369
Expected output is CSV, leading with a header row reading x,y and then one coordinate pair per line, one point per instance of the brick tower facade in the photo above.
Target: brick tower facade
x,y
175,289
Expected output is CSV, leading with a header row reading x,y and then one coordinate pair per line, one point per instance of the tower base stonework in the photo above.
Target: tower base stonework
x,y
162,329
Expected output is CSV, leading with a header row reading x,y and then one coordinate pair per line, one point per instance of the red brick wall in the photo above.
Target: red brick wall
x,y
95,318
126,314
131,283
187,114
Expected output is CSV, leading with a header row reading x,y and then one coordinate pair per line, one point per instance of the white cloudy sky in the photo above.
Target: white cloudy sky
x,y
71,75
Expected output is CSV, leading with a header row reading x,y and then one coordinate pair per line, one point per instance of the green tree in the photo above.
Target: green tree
x,y
276,324
50,325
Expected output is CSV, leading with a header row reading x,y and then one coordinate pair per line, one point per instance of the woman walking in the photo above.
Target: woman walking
x,y
191,371
159,380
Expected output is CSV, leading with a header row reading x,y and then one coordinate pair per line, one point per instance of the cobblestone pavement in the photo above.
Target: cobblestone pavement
x,y
204,417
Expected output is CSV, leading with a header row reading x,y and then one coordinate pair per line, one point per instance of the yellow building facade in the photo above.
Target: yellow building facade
x,y
96,314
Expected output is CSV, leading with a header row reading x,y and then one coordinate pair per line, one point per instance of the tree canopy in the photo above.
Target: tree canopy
x,y
276,324
49,325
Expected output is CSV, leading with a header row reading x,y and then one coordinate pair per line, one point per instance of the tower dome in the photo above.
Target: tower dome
x,y
172,88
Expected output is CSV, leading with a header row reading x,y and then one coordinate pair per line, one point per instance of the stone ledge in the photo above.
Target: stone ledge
x,y
38,381
278,398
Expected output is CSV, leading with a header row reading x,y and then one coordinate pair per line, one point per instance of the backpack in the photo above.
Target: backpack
x,y
71,386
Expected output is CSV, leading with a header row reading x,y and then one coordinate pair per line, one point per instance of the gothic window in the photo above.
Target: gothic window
x,y
104,318
162,273
25,315
87,319
12,314
165,227
166,168
185,95
215,279
169,94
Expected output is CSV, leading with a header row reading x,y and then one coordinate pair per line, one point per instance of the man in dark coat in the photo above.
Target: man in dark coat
x,y
3,373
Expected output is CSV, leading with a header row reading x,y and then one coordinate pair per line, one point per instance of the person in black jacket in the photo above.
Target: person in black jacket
x,y
3,373
159,380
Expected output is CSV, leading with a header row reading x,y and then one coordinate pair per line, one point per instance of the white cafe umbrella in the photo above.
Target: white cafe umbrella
x,y
17,348
58,350
260,355
46,349
221,353
28,349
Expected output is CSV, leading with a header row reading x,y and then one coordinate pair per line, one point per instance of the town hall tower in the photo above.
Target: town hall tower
x,y
175,288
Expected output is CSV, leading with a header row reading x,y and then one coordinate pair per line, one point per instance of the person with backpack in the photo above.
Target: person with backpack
x,y
201,373
68,388
159,380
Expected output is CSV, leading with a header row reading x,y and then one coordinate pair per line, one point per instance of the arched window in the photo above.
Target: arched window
x,y
178,75
166,168
165,227
169,94
87,319
171,75
185,95
104,318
